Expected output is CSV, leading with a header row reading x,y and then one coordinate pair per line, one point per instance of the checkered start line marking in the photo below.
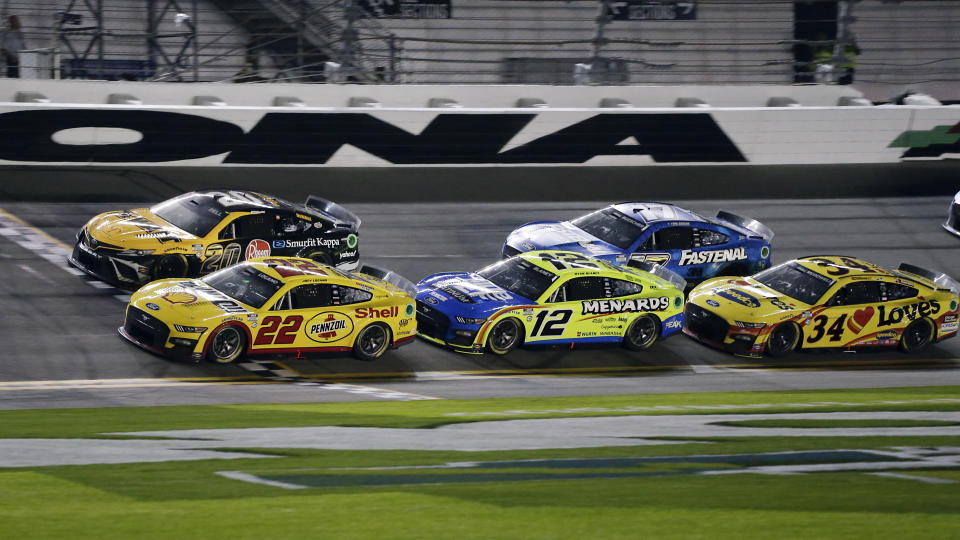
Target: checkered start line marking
x,y
50,249
277,371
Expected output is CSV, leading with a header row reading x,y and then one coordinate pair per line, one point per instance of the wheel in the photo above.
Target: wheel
x,y
505,336
170,266
226,345
320,257
783,340
642,333
917,336
373,341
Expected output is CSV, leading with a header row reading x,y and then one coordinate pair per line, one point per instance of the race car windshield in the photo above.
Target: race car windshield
x,y
193,214
244,284
795,281
611,226
520,277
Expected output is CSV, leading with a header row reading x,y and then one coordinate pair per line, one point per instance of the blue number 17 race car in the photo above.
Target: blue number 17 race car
x,y
694,246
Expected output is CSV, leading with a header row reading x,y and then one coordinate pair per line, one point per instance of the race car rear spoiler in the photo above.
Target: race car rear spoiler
x,y
940,279
661,272
750,224
342,217
389,276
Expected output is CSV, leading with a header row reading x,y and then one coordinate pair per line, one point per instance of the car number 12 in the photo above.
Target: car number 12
x,y
554,327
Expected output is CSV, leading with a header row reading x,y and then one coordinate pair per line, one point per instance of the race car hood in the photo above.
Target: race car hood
x,y
560,235
466,294
189,302
743,299
136,229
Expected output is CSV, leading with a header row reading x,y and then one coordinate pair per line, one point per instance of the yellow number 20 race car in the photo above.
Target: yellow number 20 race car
x,y
278,305
824,302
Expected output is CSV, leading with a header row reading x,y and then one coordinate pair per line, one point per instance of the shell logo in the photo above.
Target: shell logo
x,y
179,298
257,248
329,326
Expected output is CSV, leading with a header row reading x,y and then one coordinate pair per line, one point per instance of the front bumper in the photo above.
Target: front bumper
x,y
953,219
152,334
713,330
435,326
101,263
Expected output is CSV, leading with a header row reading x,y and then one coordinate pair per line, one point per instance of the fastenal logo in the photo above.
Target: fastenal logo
x,y
712,256
329,326
257,248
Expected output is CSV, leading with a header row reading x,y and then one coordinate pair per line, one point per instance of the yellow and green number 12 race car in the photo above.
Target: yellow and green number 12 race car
x,y
549,297
824,302
274,306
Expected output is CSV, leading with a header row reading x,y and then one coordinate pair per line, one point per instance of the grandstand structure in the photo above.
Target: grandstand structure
x,y
903,45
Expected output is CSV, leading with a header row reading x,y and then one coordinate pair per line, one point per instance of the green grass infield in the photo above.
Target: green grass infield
x,y
892,483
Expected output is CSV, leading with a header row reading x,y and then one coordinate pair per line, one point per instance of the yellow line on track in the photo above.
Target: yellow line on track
x,y
35,229
453,374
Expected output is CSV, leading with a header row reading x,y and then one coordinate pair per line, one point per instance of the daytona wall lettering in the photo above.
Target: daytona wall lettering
x,y
602,307
313,138
712,256
911,312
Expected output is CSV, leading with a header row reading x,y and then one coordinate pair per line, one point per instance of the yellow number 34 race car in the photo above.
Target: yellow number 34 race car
x,y
276,306
824,302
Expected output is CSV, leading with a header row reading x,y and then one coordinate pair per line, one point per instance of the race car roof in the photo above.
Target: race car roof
x,y
244,201
564,263
829,265
653,212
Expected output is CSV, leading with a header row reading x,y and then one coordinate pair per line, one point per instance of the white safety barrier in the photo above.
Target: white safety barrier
x,y
504,126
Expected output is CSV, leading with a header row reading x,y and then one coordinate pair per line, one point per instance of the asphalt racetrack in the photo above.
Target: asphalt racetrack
x,y
59,344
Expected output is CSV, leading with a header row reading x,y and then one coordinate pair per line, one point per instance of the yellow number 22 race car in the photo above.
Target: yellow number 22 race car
x,y
278,306
824,302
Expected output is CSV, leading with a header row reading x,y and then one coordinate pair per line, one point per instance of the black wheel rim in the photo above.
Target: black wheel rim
x,y
373,341
504,336
782,339
169,267
917,336
226,344
643,332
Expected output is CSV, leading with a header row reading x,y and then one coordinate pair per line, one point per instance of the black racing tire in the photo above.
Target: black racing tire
x,y
917,336
783,340
170,266
642,333
372,342
505,336
227,345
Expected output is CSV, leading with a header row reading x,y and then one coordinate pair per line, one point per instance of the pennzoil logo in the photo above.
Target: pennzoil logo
x,y
329,326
